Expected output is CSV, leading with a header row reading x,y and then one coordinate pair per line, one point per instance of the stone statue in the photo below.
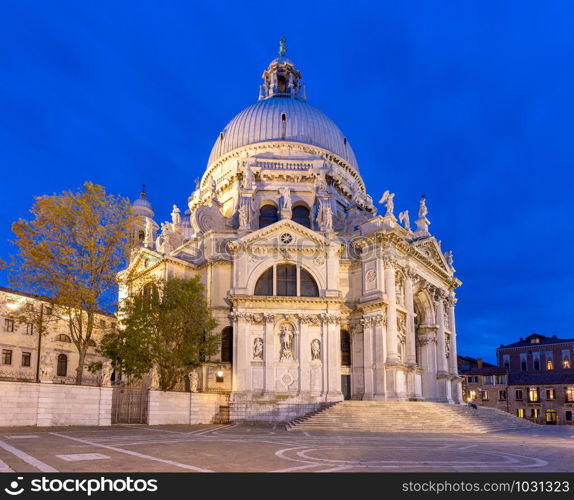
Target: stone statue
x,y
286,195
175,217
258,348
282,46
148,233
196,183
325,216
243,216
286,338
449,258
154,383
404,217
423,211
248,178
107,371
321,184
315,349
193,381
387,199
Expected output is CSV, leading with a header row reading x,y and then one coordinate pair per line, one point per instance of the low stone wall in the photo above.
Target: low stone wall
x,y
24,403
182,407
270,411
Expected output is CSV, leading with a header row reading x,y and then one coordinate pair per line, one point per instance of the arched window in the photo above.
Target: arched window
x,y
149,293
301,216
289,279
345,348
141,236
227,345
62,369
268,215
63,338
264,284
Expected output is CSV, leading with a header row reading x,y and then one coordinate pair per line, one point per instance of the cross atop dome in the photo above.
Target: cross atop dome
x,y
281,78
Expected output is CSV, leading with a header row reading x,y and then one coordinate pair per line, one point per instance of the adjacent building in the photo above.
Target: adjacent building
x,y
534,379
52,357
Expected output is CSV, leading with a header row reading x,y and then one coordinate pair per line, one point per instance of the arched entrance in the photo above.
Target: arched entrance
x,y
346,364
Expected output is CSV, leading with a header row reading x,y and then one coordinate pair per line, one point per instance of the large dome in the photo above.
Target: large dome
x,y
282,115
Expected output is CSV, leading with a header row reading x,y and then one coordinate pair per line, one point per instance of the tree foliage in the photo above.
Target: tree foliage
x,y
71,252
166,326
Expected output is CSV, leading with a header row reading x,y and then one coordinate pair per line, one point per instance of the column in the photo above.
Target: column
x,y
380,355
391,340
304,356
332,338
235,382
409,304
442,368
453,365
368,375
269,355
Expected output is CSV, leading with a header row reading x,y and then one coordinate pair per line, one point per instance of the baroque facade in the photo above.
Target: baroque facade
x,y
318,298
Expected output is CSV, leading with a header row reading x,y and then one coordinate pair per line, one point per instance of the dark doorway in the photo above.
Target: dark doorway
x,y
346,386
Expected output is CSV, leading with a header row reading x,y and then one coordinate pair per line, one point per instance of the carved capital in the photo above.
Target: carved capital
x,y
426,338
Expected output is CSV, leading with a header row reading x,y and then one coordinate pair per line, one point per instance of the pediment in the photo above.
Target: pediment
x,y
431,250
284,233
143,259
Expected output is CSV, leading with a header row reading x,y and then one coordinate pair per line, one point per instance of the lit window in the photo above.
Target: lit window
x,y
26,359
520,412
287,276
533,394
549,365
534,412
566,363
8,325
551,416
570,394
550,394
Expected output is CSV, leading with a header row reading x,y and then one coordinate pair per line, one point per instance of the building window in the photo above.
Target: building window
x,y
502,395
500,379
568,416
8,325
102,323
537,364
286,284
301,216
570,394
550,394
62,369
26,359
566,363
268,215
518,395
6,356
484,395
286,280
62,337
473,380
227,345
506,361
549,364
49,311
533,395
487,380
29,328
520,412
345,348
534,412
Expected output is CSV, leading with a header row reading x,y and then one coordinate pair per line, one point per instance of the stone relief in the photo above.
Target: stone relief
x,y
315,349
447,345
258,348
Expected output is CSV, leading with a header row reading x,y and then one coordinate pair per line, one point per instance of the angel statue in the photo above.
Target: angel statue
x,y
423,211
404,217
387,199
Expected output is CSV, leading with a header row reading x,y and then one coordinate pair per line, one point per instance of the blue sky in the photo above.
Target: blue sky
x,y
469,102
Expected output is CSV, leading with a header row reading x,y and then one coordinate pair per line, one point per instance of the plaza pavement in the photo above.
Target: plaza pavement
x,y
270,448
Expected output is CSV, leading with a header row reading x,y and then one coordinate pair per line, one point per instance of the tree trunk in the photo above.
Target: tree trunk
x,y
80,368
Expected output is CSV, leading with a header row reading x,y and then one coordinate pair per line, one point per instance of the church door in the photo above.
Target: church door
x,y
346,386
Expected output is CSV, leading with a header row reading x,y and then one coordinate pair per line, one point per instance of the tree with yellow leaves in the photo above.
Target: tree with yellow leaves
x,y
70,252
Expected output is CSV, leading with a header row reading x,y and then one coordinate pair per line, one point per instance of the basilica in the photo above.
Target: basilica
x,y
318,298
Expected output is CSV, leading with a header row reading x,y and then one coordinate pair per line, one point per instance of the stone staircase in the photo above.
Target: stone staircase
x,y
408,416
